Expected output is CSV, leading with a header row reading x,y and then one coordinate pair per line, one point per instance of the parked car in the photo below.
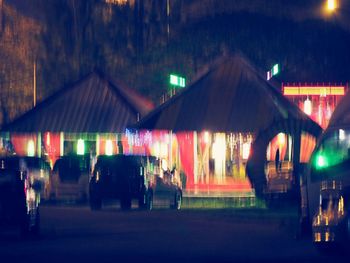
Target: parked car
x,y
70,179
133,177
327,189
19,197
330,223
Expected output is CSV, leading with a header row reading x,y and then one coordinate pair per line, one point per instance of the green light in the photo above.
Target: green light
x,y
321,162
177,81
275,70
80,147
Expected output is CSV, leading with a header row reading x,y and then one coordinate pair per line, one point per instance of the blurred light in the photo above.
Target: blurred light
x,y
48,139
164,149
164,165
206,137
109,147
61,143
317,237
321,162
331,5
116,2
308,106
177,81
80,147
326,236
219,147
275,69
341,134
268,76
31,148
246,150
281,138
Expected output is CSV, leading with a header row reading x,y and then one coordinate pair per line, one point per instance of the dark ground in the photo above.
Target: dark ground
x,y
75,234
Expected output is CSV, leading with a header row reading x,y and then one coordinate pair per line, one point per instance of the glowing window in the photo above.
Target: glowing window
x,y
80,147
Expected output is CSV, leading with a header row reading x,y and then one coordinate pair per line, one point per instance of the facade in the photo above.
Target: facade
x,y
317,101
220,135
87,117
218,119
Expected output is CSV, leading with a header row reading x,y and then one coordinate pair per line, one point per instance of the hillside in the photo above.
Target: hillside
x,y
69,38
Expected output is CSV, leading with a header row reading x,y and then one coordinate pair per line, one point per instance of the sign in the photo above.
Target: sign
x,y
177,81
274,71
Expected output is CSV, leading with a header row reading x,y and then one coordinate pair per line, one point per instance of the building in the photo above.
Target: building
x,y
317,101
87,117
231,116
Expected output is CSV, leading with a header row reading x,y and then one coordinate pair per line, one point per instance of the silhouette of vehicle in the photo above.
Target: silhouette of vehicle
x,y
328,188
133,177
70,179
19,197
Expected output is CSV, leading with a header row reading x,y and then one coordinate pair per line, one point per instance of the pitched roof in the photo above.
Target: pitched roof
x,y
231,95
93,104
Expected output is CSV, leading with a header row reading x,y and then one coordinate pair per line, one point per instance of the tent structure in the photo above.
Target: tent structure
x,y
95,110
234,96
94,104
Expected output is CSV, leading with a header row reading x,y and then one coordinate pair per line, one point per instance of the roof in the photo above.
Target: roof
x,y
93,104
231,95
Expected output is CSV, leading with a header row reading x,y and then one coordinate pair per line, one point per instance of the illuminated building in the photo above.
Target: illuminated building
x,y
317,101
86,118
217,120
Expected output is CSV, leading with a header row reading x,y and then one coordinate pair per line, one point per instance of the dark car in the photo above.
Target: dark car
x,y
70,179
132,177
19,197
330,223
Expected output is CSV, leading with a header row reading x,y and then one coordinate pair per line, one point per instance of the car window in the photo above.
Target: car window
x,y
68,169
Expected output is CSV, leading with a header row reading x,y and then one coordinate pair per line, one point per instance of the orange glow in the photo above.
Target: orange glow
x,y
331,5
116,2
281,139
314,90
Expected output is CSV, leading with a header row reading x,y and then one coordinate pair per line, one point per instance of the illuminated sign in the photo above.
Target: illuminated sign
x,y
177,81
273,72
313,90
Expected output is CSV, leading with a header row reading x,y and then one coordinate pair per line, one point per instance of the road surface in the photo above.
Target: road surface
x,y
76,234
